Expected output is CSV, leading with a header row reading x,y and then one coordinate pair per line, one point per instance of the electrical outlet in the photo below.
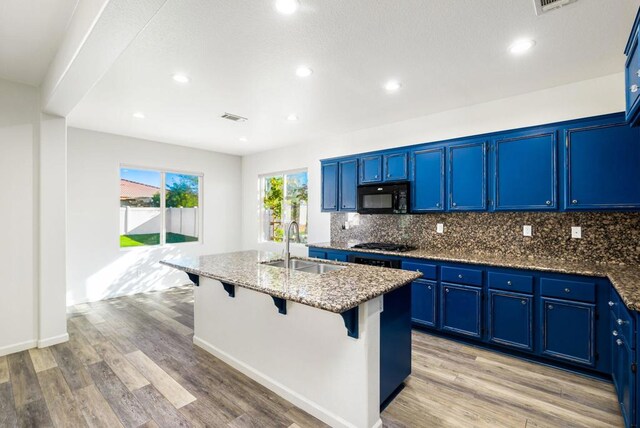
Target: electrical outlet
x,y
440,228
526,231
576,232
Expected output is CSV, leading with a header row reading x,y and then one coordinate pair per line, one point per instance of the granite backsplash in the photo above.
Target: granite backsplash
x,y
606,237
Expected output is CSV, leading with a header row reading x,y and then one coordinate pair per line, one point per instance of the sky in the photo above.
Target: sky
x,y
151,178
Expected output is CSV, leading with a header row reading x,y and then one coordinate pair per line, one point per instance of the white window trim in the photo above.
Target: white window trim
x,y
261,193
163,223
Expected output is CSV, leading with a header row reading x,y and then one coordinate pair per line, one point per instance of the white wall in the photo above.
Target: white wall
x,y
97,267
19,127
580,99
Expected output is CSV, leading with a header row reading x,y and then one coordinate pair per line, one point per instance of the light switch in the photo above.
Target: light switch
x,y
526,231
440,228
576,232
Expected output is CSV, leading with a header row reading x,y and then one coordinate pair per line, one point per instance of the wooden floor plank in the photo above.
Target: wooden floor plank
x,y
172,390
34,414
87,329
42,359
159,408
125,371
172,323
8,416
24,382
4,370
62,405
95,408
81,346
74,372
122,401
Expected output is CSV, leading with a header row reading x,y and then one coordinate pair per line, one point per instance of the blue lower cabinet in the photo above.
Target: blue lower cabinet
x,y
623,373
336,256
511,319
317,254
460,309
568,330
423,302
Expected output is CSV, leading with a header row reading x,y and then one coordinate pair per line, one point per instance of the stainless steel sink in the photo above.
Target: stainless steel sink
x,y
306,266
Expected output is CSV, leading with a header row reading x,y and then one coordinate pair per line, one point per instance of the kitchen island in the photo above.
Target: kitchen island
x,y
313,333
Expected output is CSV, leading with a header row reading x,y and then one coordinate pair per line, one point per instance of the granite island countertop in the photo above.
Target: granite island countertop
x,y
335,291
625,278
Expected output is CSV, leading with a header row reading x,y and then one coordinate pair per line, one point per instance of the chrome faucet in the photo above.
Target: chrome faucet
x,y
287,254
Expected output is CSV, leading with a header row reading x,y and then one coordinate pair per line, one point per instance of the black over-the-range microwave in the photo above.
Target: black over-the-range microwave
x,y
390,198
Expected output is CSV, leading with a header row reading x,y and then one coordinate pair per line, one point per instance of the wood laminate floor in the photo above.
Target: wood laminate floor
x,y
130,362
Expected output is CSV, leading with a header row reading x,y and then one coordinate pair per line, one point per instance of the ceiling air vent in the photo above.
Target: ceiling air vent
x,y
234,117
543,6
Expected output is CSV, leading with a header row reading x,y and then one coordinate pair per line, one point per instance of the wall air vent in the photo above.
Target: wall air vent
x,y
234,117
543,6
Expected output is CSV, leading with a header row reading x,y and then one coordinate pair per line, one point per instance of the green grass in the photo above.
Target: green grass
x,y
153,239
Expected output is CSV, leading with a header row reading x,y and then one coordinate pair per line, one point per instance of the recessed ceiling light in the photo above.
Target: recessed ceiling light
x,y
181,78
392,85
303,71
521,46
138,115
292,117
243,139
287,7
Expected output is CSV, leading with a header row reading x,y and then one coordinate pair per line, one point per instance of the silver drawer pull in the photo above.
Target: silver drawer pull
x,y
620,322
524,302
548,202
549,307
611,303
619,342
429,287
454,204
508,282
614,332
567,290
438,204
460,276
575,201
446,290
634,88
375,176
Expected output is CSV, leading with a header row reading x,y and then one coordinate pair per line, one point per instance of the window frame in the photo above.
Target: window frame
x,y
163,222
261,177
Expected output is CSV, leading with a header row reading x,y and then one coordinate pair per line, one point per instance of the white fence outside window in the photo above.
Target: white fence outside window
x,y
144,220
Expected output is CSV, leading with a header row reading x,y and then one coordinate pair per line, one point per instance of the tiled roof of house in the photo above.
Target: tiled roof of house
x,y
133,190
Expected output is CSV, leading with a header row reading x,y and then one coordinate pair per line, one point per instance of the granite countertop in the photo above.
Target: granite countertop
x,y
335,291
625,278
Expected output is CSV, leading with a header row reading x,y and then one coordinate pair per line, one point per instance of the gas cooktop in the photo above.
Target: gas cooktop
x,y
384,246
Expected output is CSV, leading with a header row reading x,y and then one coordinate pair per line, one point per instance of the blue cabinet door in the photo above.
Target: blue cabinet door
x,y
396,166
525,172
423,302
427,190
624,379
511,319
371,169
329,186
468,177
603,167
632,80
460,310
348,179
568,330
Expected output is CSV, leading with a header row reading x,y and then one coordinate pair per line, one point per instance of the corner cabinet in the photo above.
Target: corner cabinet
x,y
525,171
468,176
602,167
427,191
339,185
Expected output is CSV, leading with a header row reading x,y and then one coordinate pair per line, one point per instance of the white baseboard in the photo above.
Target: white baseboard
x,y
18,347
50,341
302,402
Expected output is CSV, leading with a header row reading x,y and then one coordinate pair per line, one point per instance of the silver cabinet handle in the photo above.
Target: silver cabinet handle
x,y
375,176
454,204
524,302
446,290
567,290
619,342
548,202
611,303
460,276
638,73
575,201
549,307
620,322
388,175
428,287
614,332
438,204
508,282
634,88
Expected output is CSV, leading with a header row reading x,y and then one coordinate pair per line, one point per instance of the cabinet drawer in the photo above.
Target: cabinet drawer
x,y
623,327
335,256
317,254
428,271
511,282
570,290
462,276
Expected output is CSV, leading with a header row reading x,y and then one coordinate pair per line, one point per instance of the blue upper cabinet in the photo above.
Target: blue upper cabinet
x,y
371,169
468,177
525,171
348,179
396,166
329,186
602,167
427,190
632,75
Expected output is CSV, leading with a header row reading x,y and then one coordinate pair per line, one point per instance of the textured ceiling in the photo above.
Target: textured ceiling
x,y
30,34
241,57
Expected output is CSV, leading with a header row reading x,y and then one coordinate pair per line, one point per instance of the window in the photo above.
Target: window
x,y
149,216
284,198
